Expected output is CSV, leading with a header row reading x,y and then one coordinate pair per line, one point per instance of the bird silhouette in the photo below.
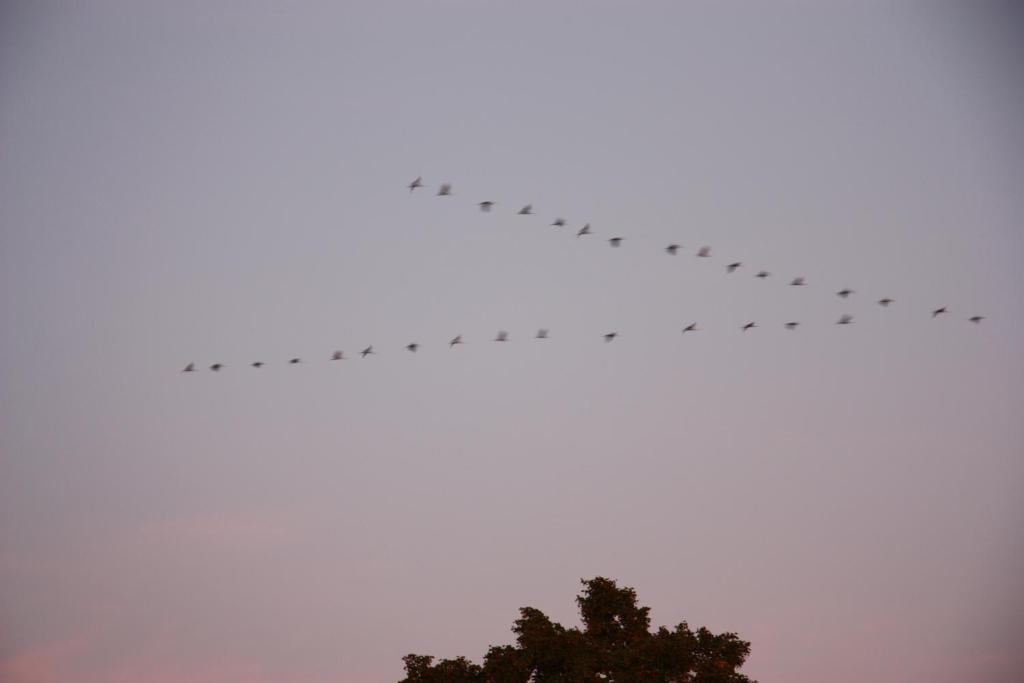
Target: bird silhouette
x,y
845,293
762,274
884,302
692,327
416,183
445,190
412,347
368,351
672,249
559,222
294,361
542,334
486,206
526,210
191,367
585,230
455,340
257,364
704,252
337,355
938,311
731,268
216,367
976,319
797,282
845,320
791,325
501,336
615,241
610,336
749,326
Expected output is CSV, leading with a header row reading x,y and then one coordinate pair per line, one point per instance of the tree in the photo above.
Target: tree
x,y
615,645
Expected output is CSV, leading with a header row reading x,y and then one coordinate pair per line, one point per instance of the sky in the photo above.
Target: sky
x,y
226,182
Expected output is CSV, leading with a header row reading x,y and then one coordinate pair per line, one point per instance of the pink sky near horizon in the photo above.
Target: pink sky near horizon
x,y
225,182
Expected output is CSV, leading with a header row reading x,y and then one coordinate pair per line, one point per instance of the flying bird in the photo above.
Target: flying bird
x,y
733,266
976,319
615,241
258,364
445,190
486,206
542,334
294,361
501,336
884,302
526,210
704,252
791,325
797,282
585,230
749,326
559,222
455,340
416,183
368,351
692,327
412,347
844,293
337,355
762,274
610,336
216,367
672,249
845,320
938,311
191,367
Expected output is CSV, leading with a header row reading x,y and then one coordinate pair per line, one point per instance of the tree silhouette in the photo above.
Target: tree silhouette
x,y
615,645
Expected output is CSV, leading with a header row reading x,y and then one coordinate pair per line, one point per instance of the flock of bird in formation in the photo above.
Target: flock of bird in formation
x,y
445,190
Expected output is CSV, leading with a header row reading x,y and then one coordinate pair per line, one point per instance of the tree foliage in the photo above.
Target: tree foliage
x,y
614,645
